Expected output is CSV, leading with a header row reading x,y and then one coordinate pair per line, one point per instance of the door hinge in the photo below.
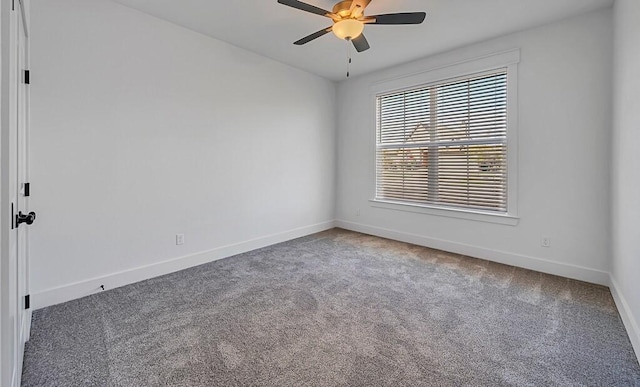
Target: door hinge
x,y
27,189
27,301
27,77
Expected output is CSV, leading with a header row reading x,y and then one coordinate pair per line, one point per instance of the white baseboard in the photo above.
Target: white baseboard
x,y
84,288
523,261
630,323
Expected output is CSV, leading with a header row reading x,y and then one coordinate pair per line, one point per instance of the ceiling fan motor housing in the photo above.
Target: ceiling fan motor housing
x,y
343,8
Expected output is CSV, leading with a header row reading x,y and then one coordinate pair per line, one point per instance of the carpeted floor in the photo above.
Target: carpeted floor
x,y
336,309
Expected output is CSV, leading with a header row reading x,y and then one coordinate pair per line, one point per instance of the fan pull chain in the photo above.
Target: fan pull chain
x,y
348,57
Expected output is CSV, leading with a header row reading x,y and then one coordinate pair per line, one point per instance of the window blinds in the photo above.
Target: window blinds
x,y
445,144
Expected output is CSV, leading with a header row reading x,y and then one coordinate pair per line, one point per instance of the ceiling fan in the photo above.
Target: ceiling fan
x,y
349,20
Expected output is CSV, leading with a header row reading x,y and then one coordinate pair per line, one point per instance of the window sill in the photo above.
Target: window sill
x,y
478,216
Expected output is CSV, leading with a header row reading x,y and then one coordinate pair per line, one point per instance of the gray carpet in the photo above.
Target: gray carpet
x,y
336,309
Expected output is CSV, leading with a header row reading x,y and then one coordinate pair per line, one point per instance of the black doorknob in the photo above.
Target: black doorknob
x,y
25,218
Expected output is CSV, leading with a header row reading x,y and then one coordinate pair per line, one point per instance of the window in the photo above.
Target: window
x,y
445,144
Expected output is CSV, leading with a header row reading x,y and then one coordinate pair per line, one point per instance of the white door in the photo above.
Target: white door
x,y
19,315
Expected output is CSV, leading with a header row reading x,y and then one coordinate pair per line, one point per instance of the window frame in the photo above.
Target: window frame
x,y
505,60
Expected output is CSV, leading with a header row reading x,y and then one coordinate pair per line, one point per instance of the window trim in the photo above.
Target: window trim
x,y
509,60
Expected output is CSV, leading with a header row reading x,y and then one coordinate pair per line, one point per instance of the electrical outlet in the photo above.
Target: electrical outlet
x,y
179,239
546,242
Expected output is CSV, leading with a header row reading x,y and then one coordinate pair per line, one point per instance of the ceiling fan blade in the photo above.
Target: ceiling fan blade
x,y
396,18
360,43
305,7
357,7
313,36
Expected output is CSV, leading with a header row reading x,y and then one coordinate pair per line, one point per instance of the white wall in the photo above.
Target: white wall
x,y
142,129
564,155
626,165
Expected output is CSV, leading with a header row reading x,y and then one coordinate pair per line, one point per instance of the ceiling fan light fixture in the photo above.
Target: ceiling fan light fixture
x,y
348,29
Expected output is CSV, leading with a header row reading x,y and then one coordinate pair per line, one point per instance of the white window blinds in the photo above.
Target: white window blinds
x,y
445,144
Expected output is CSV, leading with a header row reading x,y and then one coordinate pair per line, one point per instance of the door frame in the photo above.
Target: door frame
x,y
22,196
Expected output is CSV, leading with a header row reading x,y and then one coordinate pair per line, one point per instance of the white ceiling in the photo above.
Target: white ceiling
x,y
269,28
